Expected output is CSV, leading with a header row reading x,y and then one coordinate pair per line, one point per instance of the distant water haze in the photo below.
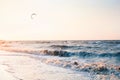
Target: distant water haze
x,y
60,19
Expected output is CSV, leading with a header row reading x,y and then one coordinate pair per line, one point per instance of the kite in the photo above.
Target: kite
x,y
33,15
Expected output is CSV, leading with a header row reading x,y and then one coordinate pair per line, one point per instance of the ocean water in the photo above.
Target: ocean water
x,y
98,58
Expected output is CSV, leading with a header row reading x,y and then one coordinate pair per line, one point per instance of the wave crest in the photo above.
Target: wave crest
x,y
62,53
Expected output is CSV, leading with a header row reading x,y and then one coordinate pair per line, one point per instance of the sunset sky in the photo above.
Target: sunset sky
x,y
59,19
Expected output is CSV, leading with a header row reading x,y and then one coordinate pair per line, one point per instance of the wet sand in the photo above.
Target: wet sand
x,y
20,66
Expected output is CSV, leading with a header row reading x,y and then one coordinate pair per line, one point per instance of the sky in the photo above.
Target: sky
x,y
60,20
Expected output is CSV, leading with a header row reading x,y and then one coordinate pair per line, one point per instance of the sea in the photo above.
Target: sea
x,y
98,59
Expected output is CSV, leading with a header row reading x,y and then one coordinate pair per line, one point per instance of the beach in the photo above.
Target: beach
x,y
60,60
20,66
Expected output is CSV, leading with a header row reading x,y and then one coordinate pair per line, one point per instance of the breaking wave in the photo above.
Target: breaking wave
x,y
62,53
96,67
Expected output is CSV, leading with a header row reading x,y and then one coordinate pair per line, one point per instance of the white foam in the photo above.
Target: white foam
x,y
27,68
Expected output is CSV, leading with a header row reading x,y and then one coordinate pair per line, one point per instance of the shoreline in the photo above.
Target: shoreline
x,y
17,66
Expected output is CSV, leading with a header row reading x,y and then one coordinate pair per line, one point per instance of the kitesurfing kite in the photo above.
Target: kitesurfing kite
x,y
33,15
